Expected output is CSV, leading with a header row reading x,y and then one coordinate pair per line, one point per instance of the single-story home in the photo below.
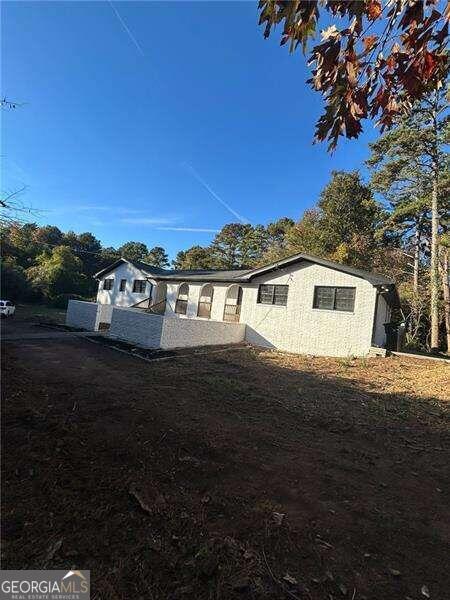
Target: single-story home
x,y
301,304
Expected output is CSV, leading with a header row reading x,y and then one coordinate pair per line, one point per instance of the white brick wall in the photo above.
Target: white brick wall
x,y
156,331
183,333
136,326
302,329
104,314
82,315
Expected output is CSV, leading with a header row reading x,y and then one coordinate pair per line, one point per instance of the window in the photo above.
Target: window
x,y
334,298
123,285
108,284
273,294
139,286
205,301
182,300
233,302
345,299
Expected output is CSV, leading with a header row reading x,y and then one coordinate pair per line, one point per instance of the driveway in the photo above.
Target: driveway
x,y
16,328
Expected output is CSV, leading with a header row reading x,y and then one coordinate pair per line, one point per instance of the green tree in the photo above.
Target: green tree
x,y
19,242
178,261
14,283
343,226
409,166
277,232
88,249
238,245
48,236
254,245
107,256
226,246
306,235
157,257
196,257
133,251
57,272
86,246
350,220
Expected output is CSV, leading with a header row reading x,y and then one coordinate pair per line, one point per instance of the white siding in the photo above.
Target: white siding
x,y
195,288
193,298
128,297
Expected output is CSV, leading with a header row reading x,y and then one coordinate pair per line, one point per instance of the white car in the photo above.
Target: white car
x,y
7,308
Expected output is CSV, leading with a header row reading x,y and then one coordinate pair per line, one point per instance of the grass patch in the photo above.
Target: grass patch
x,y
40,313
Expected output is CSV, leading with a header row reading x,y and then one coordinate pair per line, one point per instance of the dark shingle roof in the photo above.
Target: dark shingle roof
x,y
205,275
242,275
177,274
373,278
142,266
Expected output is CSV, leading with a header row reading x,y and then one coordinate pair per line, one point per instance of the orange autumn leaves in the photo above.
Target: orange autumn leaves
x,y
361,74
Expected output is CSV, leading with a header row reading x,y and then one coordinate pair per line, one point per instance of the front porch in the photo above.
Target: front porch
x,y
150,330
218,302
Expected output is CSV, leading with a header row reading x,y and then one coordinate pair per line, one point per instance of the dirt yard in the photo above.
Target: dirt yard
x,y
244,474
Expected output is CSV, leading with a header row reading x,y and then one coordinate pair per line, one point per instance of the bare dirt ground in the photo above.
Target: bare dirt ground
x,y
246,474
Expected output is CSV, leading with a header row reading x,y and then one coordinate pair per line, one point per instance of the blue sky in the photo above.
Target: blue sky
x,y
135,111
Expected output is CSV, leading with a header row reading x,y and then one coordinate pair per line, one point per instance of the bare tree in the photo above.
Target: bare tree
x,y
13,209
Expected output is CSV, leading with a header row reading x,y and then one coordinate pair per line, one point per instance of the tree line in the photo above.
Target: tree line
x,y
397,224
46,264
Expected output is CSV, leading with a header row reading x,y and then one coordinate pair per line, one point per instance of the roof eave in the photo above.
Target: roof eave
x,y
109,268
197,279
370,277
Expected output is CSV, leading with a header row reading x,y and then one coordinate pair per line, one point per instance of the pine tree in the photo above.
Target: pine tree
x,y
407,163
196,257
157,257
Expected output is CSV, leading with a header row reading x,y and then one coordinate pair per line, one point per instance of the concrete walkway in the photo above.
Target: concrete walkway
x,y
43,335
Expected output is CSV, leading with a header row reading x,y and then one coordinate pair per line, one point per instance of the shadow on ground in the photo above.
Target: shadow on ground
x,y
239,475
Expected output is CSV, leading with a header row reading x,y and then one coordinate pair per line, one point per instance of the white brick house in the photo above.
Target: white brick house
x,y
301,304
